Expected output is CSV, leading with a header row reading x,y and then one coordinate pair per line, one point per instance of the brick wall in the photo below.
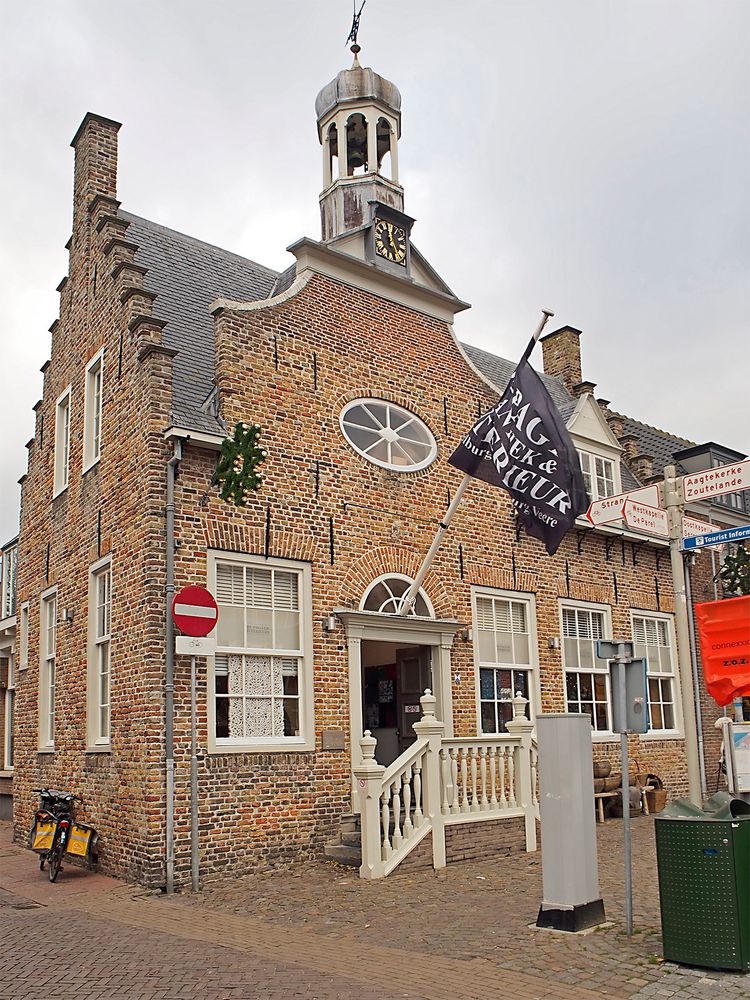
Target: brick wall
x,y
116,509
258,809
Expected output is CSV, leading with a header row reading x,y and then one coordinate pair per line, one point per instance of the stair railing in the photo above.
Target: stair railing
x,y
443,781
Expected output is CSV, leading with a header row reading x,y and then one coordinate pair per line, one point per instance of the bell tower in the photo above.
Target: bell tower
x,y
359,125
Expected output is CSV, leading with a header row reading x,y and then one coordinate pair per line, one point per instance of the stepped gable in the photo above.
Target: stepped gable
x,y
187,275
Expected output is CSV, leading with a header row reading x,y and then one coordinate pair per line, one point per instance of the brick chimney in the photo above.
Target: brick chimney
x,y
643,466
95,145
561,354
616,425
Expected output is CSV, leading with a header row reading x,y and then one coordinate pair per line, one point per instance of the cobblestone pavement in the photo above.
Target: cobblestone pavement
x,y
317,931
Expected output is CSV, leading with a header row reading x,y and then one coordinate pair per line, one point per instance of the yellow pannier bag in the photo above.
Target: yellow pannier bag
x,y
44,832
79,840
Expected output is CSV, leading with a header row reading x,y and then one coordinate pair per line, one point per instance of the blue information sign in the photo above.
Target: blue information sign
x,y
717,537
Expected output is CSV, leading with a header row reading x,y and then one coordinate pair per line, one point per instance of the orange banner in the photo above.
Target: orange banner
x,y
724,632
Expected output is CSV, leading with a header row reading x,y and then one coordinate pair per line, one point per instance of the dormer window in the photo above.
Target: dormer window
x,y
598,475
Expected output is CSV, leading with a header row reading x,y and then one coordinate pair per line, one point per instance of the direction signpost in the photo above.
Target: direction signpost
x,y
722,479
644,517
692,526
658,509
609,509
195,613
718,537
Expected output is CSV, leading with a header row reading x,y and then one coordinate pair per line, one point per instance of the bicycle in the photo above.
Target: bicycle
x,y
56,833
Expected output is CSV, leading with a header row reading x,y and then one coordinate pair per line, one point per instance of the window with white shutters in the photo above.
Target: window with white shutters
x,y
652,638
260,670
586,677
503,650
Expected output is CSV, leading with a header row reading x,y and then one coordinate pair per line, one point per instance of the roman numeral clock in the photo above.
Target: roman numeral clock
x,y
389,238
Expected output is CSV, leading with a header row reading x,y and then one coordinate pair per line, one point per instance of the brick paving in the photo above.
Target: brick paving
x,y
318,931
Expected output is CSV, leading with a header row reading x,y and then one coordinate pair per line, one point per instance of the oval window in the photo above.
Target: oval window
x,y
388,435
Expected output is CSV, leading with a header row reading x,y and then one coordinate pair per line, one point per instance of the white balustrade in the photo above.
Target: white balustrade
x,y
478,776
440,781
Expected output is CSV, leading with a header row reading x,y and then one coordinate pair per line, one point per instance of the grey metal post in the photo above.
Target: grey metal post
x,y
673,501
194,851
169,681
696,680
625,799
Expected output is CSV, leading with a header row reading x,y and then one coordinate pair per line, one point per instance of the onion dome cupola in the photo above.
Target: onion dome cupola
x,y
359,125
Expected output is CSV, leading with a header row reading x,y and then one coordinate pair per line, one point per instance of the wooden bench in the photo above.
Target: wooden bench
x,y
599,798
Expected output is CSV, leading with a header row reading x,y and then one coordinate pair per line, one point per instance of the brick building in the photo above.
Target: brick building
x,y
349,363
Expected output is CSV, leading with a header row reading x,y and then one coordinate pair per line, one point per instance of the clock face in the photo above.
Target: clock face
x,y
390,241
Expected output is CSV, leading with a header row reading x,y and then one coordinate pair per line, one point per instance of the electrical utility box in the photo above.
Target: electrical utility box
x,y
633,717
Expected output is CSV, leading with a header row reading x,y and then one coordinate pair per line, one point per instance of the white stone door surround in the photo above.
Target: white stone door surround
x,y
432,632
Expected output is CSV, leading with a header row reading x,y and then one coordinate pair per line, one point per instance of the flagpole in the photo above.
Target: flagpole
x,y
411,594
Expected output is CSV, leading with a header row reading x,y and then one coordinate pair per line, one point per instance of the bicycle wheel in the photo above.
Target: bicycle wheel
x,y
54,860
42,859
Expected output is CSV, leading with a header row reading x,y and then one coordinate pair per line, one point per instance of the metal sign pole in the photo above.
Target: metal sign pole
x,y
674,502
194,852
625,801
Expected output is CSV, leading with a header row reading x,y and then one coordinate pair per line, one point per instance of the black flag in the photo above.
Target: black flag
x,y
523,445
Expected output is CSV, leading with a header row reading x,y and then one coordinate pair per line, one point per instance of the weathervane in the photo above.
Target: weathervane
x,y
356,15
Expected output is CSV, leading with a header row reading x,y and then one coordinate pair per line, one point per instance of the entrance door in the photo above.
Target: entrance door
x,y
414,674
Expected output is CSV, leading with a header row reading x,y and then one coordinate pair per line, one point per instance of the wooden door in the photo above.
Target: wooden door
x,y
414,674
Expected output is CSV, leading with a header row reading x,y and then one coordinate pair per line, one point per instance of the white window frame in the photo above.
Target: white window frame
x,y
23,636
96,647
392,439
266,744
47,711
677,732
10,700
62,442
534,684
9,572
590,458
384,578
92,411
597,735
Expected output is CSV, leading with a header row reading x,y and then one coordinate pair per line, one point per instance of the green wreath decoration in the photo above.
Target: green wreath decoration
x,y
237,466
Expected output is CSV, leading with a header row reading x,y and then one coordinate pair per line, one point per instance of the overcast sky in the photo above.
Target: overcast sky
x,y
587,156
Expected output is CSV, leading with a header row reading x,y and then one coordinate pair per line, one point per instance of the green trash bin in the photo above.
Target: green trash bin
x,y
703,858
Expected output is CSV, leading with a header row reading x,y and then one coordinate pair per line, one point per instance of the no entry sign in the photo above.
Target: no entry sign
x,y
195,611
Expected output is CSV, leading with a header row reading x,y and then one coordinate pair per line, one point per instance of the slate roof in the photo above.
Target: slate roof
x,y
499,371
187,275
652,441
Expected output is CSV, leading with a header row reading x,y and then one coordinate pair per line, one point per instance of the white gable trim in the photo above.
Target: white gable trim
x,y
587,411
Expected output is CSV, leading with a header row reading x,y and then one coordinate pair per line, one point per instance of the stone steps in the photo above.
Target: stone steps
x,y
346,849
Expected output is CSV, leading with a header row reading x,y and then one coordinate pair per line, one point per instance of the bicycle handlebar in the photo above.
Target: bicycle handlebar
x,y
52,794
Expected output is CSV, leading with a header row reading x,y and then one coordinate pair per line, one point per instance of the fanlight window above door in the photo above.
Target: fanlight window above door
x,y
386,595
388,435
